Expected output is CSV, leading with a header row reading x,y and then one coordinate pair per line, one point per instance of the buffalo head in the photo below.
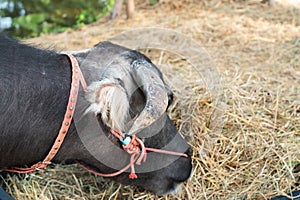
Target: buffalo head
x,y
127,92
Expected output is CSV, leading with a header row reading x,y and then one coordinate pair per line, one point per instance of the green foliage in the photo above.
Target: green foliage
x,y
108,7
90,15
47,16
153,2
30,23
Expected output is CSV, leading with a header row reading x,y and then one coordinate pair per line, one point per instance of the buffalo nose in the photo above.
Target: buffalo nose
x,y
189,152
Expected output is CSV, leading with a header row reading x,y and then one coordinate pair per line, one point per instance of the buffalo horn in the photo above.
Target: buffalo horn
x,y
156,95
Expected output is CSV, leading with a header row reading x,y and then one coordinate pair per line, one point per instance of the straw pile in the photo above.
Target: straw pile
x,y
256,50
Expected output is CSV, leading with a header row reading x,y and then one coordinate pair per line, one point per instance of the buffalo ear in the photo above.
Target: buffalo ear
x,y
109,99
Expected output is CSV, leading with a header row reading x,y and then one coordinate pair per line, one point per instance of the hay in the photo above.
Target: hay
x,y
256,51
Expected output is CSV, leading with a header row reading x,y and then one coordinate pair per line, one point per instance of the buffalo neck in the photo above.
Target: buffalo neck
x,y
34,88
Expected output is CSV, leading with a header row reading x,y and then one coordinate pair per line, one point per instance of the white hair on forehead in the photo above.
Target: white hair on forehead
x,y
109,98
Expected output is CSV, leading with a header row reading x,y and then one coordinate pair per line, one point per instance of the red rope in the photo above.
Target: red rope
x,y
136,148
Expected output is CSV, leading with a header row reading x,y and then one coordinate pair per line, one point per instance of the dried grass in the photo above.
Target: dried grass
x,y
257,53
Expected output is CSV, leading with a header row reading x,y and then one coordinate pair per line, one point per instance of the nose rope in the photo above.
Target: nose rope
x,y
138,153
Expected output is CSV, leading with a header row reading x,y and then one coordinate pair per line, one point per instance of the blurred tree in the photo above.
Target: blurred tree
x,y
117,11
33,17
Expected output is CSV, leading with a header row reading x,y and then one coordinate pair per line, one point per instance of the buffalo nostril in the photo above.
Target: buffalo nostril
x,y
189,151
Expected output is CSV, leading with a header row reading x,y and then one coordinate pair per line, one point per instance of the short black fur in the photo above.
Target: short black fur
x,y
34,88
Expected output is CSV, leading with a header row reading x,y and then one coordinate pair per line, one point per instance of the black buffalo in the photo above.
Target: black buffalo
x,y
34,88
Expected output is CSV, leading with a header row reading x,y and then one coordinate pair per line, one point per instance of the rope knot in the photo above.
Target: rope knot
x,y
137,150
133,146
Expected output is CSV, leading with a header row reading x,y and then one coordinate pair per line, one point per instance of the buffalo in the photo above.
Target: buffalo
x,y
125,92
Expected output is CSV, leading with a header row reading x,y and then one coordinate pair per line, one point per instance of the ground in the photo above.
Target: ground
x,y
255,51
